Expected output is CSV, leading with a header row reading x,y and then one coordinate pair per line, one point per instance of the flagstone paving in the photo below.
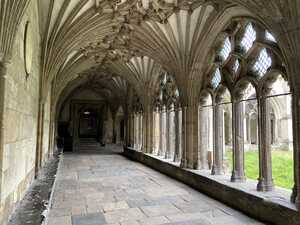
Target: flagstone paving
x,y
98,189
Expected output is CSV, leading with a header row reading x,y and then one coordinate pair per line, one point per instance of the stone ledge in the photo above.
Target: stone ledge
x,y
252,204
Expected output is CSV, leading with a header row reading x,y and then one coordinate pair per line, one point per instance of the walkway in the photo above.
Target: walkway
x,y
96,189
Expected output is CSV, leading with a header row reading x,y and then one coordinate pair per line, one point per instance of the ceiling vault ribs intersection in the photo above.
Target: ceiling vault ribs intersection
x,y
79,36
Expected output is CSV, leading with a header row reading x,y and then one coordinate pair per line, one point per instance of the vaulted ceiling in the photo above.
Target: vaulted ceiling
x,y
136,40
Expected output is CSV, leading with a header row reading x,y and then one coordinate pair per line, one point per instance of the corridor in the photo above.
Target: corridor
x,y
106,188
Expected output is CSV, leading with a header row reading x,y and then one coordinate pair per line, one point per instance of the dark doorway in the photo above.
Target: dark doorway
x,y
88,124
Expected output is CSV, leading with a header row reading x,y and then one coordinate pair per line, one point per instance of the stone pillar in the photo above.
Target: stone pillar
x,y
145,125
238,171
160,146
132,127
194,124
203,138
3,75
164,131
149,132
167,137
152,132
40,134
183,162
136,132
265,180
133,131
141,127
217,168
177,136
295,198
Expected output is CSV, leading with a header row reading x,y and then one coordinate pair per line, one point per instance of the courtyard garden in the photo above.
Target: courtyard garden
x,y
282,166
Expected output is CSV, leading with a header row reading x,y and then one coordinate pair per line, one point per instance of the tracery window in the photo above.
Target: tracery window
x,y
249,37
263,63
236,66
270,37
226,49
251,98
216,78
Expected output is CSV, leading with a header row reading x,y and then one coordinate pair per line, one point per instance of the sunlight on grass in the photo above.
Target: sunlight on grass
x,y
282,166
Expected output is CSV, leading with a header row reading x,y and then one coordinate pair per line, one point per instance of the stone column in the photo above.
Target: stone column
x,y
136,126
177,136
295,198
265,180
160,146
167,137
151,132
194,127
183,162
145,125
141,131
132,127
217,168
203,138
3,75
238,171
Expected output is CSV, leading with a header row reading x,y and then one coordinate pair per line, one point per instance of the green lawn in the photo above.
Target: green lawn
x,y
282,166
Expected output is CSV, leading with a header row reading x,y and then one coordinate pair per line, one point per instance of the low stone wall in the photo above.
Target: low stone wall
x,y
252,205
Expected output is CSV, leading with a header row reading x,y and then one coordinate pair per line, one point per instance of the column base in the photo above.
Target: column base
x,y
235,177
183,163
176,158
265,186
297,202
294,194
217,171
203,165
167,155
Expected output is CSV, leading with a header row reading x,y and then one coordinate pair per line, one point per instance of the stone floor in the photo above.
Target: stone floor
x,y
96,189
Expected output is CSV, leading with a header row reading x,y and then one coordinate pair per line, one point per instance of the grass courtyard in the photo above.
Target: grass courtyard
x,y
282,166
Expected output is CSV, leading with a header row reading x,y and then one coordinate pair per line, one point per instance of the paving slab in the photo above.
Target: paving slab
x,y
109,189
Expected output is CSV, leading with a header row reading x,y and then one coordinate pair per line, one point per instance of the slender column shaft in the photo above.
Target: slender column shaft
x,y
177,136
168,150
265,161
132,131
238,172
151,132
160,147
218,140
141,131
195,136
295,198
3,74
145,132
203,139
183,162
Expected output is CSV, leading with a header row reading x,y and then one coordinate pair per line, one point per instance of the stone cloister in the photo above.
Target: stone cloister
x,y
188,88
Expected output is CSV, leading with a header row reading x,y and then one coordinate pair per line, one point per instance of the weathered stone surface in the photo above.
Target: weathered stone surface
x,y
133,195
256,205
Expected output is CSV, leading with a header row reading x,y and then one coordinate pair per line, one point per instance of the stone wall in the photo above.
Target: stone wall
x,y
20,118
